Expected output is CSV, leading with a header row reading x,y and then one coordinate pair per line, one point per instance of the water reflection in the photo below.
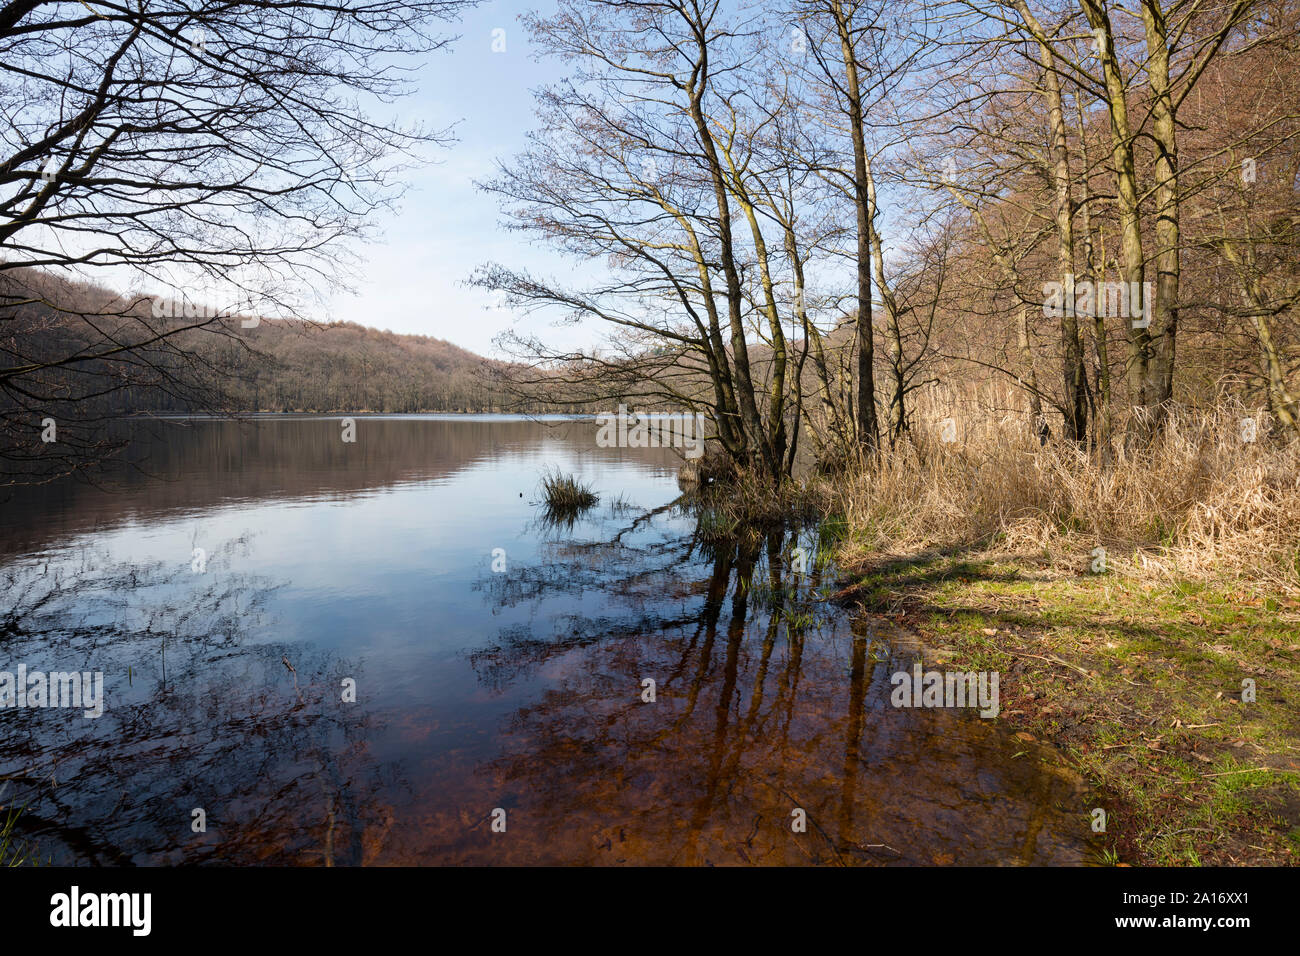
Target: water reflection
x,y
477,689
766,703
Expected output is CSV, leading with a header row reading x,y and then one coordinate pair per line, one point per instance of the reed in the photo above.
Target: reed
x,y
565,496
1199,502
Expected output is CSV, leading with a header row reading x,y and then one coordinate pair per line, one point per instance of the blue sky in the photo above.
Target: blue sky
x,y
412,279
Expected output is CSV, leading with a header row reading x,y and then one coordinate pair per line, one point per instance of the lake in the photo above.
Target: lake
x,y
319,652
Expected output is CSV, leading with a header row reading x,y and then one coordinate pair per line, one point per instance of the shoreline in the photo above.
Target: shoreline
x,y
1185,771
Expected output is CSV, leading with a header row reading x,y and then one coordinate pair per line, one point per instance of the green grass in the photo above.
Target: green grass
x,y
13,851
1139,685
713,525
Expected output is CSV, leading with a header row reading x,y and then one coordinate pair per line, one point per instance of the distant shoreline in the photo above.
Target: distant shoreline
x,y
237,416
522,416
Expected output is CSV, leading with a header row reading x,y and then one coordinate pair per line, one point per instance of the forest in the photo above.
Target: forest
x,y
1091,208
272,365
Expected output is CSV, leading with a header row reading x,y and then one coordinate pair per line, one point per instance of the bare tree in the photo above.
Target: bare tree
x,y
221,153
645,160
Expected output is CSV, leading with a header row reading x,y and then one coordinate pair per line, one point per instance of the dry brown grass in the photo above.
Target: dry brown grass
x,y
1199,503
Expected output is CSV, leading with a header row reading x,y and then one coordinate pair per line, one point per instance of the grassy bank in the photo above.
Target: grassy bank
x,y
1138,684
1124,605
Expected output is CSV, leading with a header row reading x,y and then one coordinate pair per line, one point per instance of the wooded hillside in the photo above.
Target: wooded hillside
x,y
276,366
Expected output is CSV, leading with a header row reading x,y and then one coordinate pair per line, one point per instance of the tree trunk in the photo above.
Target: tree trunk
x,y
1134,271
1159,387
1074,394
868,430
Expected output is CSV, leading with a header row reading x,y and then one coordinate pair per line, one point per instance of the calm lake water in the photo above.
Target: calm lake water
x,y
326,562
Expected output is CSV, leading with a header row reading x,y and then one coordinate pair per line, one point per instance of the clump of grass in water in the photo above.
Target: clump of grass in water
x,y
13,852
621,506
713,525
565,497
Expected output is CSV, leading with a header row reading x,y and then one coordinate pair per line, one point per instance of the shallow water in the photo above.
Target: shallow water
x,y
476,690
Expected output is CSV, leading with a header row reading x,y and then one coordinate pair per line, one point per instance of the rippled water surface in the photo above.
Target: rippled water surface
x,y
521,689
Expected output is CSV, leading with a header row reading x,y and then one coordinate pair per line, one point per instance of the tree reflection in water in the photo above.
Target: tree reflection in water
x,y
196,717
769,698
